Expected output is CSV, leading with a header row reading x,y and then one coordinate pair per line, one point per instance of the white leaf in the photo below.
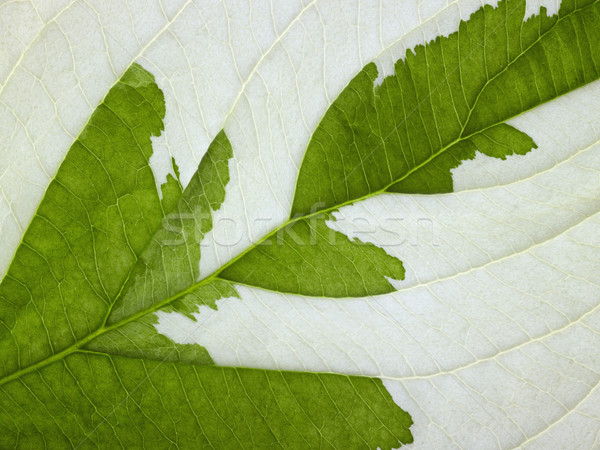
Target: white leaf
x,y
493,339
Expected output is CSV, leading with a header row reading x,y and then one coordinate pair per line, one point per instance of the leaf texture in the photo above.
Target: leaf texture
x,y
107,300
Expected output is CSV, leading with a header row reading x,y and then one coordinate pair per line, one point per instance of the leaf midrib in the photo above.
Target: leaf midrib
x,y
292,220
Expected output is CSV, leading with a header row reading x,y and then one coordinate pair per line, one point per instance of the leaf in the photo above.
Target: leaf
x,y
439,108
135,367
311,259
446,101
93,224
95,400
101,255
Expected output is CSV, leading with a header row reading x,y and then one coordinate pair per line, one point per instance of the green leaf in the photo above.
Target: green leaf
x,y
309,258
170,262
83,365
447,100
92,400
96,218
